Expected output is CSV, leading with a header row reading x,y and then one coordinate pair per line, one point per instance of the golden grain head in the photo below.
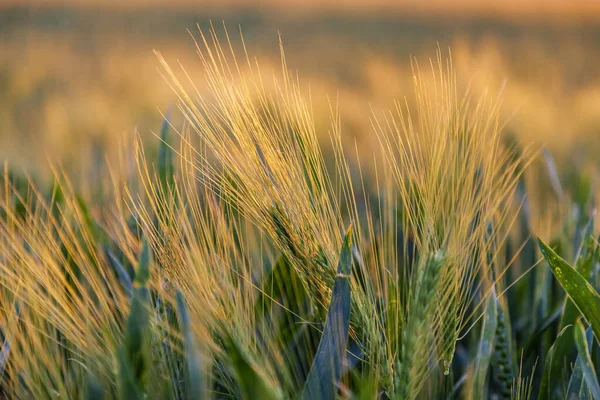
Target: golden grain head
x,y
455,179
260,152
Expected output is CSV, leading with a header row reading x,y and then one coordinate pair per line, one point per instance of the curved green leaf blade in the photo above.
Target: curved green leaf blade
x,y
326,369
564,342
589,373
194,363
136,352
486,346
252,383
578,388
135,355
124,277
546,387
142,273
586,299
165,157
128,390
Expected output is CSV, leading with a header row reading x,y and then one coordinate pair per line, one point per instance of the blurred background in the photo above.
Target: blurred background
x,y
78,76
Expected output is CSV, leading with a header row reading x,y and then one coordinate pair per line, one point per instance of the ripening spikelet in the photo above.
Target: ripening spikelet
x,y
259,152
503,356
265,158
410,365
62,305
212,258
454,179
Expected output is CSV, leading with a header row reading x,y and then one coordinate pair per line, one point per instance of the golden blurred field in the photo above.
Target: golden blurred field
x,y
75,77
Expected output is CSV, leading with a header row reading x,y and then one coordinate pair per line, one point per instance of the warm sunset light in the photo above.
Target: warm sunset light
x,y
299,199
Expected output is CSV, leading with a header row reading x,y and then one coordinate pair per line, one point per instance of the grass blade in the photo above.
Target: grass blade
x,y
546,387
128,389
578,388
165,157
486,347
124,277
327,365
135,356
253,385
589,373
142,274
194,363
564,343
553,174
584,296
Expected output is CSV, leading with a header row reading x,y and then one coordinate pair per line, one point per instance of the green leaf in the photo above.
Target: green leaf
x,y
589,373
90,224
553,174
194,363
564,343
486,347
135,355
122,274
137,336
142,273
584,296
165,157
284,285
578,388
282,305
253,384
547,387
326,369
128,389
